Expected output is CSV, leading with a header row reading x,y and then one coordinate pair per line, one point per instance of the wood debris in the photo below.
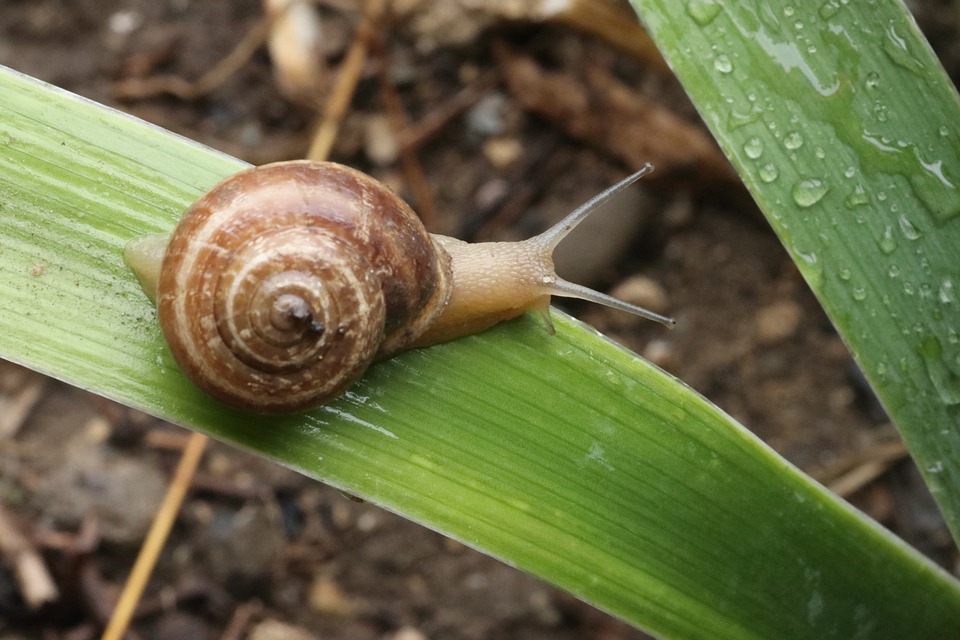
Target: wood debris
x,y
606,114
36,585
443,23
20,389
294,43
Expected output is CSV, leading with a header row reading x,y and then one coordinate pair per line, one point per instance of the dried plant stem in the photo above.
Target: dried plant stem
x,y
156,537
416,134
610,21
36,585
347,80
216,76
416,179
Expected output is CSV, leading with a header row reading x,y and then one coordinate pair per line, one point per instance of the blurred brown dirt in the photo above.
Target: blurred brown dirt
x,y
513,125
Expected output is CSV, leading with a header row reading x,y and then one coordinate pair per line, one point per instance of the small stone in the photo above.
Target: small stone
x,y
603,237
219,463
97,430
489,193
380,142
243,545
477,580
367,522
408,633
642,291
177,625
125,22
660,353
544,610
502,152
841,398
453,546
276,630
778,321
327,598
122,492
342,515
486,117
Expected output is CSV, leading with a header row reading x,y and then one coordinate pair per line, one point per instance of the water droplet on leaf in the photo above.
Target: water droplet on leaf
x,y
829,9
944,380
887,243
936,190
769,173
743,116
703,12
882,373
753,148
898,50
936,467
945,294
880,112
810,268
793,140
723,64
809,192
909,230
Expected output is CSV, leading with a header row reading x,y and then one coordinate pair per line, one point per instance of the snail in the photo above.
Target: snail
x,y
281,285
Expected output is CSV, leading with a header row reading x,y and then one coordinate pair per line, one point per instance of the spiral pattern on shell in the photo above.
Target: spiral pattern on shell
x,y
283,283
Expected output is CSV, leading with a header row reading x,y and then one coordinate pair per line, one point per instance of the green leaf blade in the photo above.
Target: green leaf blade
x,y
567,455
843,126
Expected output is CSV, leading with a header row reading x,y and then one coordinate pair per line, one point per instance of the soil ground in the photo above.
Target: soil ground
x,y
261,552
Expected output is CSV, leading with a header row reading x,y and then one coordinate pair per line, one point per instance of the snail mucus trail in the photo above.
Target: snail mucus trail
x,y
282,284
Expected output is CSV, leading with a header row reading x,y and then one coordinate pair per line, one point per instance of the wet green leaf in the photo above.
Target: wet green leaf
x,y
846,130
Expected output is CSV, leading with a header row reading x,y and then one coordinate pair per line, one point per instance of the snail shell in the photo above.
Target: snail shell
x,y
281,285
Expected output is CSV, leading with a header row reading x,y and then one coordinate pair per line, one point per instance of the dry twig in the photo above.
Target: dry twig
x,y
852,473
135,88
240,622
413,171
416,134
349,76
604,113
608,20
36,586
156,538
15,405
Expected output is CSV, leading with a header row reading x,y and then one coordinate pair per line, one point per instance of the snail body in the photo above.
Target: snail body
x,y
281,285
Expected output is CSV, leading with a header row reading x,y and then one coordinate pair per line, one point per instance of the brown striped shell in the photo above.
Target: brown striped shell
x,y
283,283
